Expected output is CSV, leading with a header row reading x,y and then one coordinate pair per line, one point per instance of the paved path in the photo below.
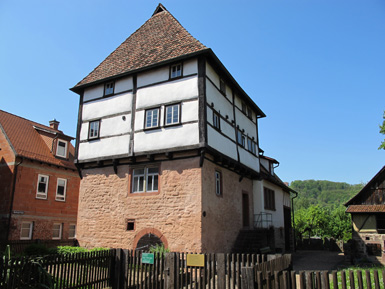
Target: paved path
x,y
317,260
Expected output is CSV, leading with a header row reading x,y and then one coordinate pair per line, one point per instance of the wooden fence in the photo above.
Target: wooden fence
x,y
81,270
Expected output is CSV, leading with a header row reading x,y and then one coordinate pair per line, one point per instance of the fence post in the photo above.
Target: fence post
x,y
221,271
117,275
169,271
247,278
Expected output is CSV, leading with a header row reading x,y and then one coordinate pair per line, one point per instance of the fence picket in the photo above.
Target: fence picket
x,y
368,279
376,280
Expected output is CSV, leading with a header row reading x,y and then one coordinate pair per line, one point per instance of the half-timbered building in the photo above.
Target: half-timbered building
x,y
167,145
367,209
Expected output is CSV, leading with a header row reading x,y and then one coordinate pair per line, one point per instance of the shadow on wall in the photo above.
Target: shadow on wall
x,y
6,177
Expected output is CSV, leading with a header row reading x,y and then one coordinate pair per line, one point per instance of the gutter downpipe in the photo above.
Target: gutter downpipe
x,y
12,197
292,209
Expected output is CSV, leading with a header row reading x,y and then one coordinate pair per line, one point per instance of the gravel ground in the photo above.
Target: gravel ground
x,y
317,260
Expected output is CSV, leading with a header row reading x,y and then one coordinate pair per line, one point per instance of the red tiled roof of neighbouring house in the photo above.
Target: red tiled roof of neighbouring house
x,y
26,141
159,39
366,209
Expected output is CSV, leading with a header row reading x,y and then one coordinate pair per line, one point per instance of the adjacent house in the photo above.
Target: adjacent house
x,y
39,181
168,148
367,209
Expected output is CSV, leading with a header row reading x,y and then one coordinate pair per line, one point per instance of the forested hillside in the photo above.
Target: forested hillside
x,y
323,193
319,208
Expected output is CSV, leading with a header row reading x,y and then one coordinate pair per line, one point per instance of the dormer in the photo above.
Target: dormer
x,y
269,164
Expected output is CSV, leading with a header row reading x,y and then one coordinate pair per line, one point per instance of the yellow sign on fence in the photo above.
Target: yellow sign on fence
x,y
196,260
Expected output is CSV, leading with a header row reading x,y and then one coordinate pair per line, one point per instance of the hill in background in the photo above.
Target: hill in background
x,y
323,193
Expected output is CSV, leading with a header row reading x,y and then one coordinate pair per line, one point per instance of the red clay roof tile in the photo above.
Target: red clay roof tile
x,y
159,39
27,142
366,209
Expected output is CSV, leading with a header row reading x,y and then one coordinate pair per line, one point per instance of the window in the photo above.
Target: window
x,y
93,129
176,71
72,231
216,120
240,138
222,86
251,146
152,118
249,113
61,190
130,225
57,230
109,88
269,197
26,231
244,107
42,187
218,183
61,149
145,180
172,114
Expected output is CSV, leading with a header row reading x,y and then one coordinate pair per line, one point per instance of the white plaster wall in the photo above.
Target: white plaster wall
x,y
220,102
190,67
245,123
178,90
265,163
153,76
221,143
214,77
248,159
107,106
258,197
189,111
93,92
109,126
104,147
165,138
123,84
226,128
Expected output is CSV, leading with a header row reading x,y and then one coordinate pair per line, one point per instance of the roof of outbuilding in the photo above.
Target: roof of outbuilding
x,y
159,39
366,209
26,141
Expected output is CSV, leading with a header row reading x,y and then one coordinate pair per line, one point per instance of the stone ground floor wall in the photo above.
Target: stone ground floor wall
x,y
223,215
110,215
371,245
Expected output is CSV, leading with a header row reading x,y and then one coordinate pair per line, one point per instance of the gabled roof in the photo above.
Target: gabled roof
x,y
273,178
159,39
32,140
371,185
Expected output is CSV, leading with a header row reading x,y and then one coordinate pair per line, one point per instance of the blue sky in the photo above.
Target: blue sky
x,y
315,67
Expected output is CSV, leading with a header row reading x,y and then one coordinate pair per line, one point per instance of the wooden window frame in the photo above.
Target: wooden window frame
x,y
145,179
70,230
218,183
90,130
158,118
61,198
180,74
30,230
269,199
60,231
107,89
172,114
216,124
40,195
65,148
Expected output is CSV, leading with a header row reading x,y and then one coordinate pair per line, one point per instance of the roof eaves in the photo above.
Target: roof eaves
x,y
367,186
78,88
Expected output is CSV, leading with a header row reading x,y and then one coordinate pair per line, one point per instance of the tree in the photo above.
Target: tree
x,y
382,130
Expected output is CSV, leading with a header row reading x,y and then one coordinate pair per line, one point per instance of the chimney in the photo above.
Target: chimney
x,y
54,124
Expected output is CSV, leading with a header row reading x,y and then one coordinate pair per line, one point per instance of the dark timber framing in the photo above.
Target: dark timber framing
x,y
202,101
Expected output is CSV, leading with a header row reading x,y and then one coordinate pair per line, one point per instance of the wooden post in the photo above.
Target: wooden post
x,y
247,278
116,284
221,271
169,271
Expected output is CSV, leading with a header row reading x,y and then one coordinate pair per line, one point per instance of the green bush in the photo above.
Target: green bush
x,y
158,249
66,250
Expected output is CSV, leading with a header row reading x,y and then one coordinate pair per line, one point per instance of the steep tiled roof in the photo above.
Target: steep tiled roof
x,y
159,39
27,142
366,209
